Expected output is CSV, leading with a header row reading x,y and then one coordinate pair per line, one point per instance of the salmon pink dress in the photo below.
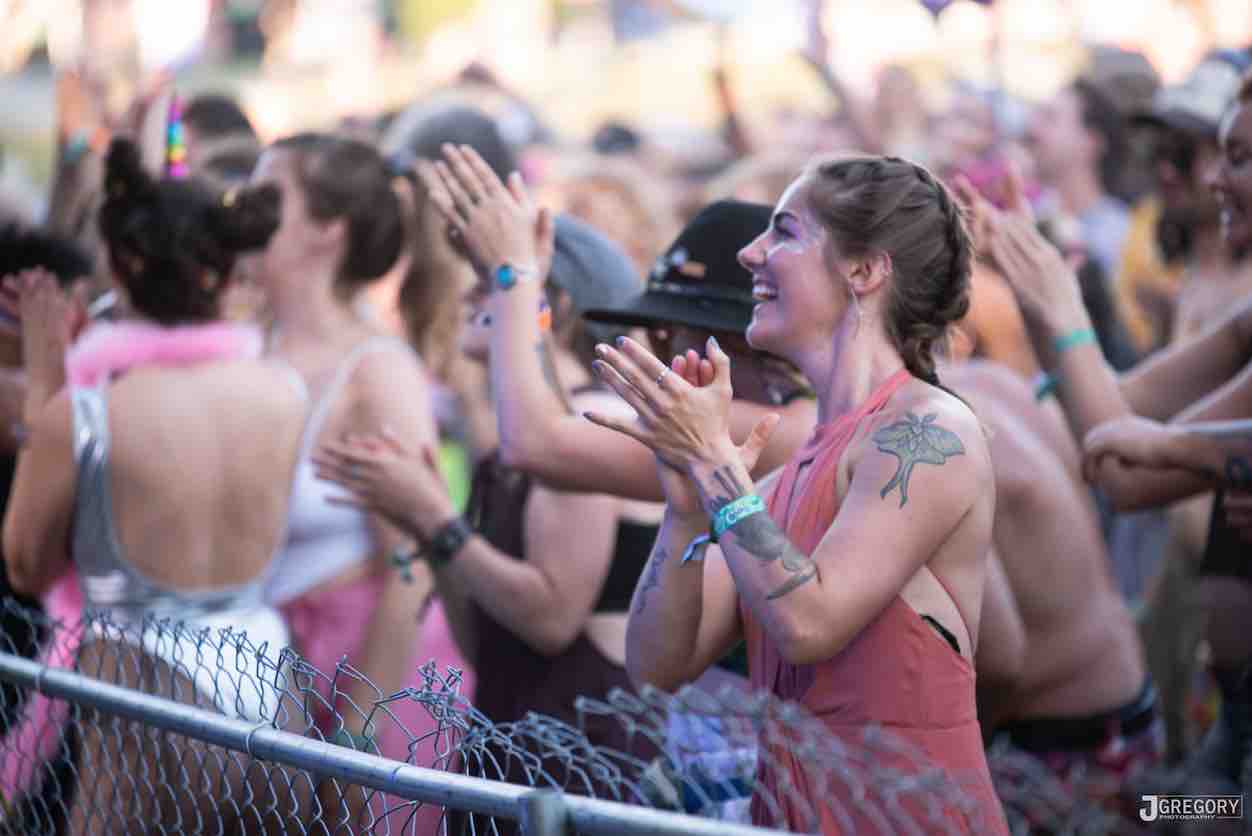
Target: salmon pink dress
x,y
898,674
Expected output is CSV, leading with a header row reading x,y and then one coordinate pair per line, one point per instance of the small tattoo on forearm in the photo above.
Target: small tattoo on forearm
x,y
915,441
729,488
760,536
653,578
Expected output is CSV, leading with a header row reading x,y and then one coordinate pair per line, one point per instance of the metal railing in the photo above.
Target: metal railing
x,y
165,728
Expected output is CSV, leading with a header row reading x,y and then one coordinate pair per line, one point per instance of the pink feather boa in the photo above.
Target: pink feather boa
x,y
108,348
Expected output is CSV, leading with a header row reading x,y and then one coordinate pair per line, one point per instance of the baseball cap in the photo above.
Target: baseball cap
x,y
1197,104
594,271
698,281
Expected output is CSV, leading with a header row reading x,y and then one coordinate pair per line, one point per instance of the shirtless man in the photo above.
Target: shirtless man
x,y
1080,694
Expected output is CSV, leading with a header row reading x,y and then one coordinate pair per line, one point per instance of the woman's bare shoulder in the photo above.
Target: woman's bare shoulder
x,y
943,424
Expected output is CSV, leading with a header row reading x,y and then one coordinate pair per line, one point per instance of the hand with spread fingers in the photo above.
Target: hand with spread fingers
x,y
682,413
1132,441
381,475
1041,279
496,223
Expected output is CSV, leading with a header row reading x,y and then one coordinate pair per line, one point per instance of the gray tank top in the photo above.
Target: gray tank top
x,y
108,580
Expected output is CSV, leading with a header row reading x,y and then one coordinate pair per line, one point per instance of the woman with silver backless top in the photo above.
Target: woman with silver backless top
x,y
145,465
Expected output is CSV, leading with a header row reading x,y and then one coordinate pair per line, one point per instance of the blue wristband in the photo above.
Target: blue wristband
x,y
728,515
1073,339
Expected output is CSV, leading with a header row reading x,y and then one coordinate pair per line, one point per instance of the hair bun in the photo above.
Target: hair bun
x,y
124,177
245,218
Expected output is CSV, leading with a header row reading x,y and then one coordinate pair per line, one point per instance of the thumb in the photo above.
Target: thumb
x,y
752,447
721,361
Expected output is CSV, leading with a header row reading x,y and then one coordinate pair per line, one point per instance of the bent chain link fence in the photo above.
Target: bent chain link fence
x,y
162,728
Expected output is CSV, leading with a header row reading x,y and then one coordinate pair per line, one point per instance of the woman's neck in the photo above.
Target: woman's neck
x,y
311,314
855,363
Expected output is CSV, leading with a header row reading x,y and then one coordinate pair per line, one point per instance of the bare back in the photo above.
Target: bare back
x,y
1083,652
201,468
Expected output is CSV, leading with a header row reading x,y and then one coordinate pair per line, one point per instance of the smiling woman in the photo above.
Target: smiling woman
x,y
856,573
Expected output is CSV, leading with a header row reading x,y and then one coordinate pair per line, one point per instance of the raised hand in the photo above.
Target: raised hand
x,y
382,475
1041,279
50,320
495,223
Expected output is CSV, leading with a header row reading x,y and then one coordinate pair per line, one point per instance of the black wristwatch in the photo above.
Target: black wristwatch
x,y
445,543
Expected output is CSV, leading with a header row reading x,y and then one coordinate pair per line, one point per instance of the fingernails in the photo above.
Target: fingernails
x,y
620,341
713,344
602,350
597,367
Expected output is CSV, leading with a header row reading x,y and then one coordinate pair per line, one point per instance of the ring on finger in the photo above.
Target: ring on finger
x,y
660,378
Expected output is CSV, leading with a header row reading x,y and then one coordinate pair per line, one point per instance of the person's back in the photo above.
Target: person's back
x,y
200,467
160,457
1083,653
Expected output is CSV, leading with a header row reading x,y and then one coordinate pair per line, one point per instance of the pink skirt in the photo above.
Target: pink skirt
x,y
328,627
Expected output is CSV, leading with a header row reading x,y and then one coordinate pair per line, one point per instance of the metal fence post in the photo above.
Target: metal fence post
x,y
543,813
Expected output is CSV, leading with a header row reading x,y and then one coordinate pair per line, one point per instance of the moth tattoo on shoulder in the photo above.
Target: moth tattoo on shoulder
x,y
914,441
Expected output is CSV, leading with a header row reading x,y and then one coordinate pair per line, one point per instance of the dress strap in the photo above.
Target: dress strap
x,y
343,373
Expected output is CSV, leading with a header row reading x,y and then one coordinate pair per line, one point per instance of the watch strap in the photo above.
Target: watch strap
x,y
446,542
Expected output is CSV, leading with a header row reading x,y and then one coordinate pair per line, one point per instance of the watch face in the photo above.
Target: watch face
x,y
505,277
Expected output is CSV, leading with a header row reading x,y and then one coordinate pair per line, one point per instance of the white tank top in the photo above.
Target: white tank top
x,y
323,540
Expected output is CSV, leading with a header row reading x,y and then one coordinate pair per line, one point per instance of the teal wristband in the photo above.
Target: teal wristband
x,y
1073,339
728,515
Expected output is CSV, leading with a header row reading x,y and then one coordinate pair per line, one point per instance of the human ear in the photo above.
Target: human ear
x,y
869,273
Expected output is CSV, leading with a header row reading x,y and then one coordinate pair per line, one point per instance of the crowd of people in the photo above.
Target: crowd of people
x,y
892,411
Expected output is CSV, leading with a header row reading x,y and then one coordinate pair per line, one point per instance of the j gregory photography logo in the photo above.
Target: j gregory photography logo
x,y
1191,807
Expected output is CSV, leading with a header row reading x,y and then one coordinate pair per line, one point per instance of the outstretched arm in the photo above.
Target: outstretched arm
x,y
498,224
1061,332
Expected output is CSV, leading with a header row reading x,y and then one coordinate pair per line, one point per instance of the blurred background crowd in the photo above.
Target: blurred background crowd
x,y
631,116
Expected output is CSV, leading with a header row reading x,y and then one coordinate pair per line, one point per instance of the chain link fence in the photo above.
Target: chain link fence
x,y
167,729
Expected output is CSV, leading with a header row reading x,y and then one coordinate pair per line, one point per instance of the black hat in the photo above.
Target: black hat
x,y
699,282
1197,104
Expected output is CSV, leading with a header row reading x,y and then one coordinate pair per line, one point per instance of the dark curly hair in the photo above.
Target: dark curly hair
x,y
173,243
348,179
888,205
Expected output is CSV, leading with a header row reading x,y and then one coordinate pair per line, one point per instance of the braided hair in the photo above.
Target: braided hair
x,y
889,205
173,243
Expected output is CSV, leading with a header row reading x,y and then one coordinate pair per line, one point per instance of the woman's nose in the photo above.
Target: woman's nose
x,y
753,255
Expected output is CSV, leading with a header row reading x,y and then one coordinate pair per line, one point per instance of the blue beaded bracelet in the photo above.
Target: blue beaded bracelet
x,y
728,515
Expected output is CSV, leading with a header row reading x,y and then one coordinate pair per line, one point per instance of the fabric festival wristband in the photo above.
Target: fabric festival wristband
x,y
1073,339
728,515
694,553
